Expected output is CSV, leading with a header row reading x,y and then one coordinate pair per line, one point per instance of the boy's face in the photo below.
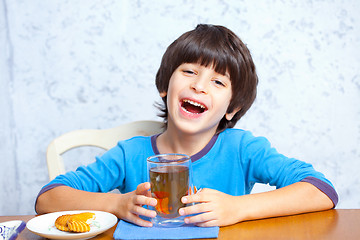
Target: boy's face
x,y
197,98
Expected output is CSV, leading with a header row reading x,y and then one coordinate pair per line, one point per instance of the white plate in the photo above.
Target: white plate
x,y
44,225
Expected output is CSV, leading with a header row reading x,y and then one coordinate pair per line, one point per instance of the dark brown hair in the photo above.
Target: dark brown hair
x,y
220,48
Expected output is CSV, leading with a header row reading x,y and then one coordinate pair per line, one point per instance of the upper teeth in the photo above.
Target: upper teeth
x,y
194,103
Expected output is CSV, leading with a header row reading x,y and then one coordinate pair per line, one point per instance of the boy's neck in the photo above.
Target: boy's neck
x,y
172,141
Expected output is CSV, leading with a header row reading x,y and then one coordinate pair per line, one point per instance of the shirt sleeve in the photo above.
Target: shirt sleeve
x,y
265,165
104,175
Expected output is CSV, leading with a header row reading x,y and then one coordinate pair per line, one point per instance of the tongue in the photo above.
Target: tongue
x,y
192,108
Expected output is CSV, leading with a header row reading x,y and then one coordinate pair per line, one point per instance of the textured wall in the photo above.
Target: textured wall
x,y
66,65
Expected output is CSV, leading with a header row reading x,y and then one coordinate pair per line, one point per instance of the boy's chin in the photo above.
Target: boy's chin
x,y
192,127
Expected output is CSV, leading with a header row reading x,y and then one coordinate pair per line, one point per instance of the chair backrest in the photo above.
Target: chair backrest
x,y
102,138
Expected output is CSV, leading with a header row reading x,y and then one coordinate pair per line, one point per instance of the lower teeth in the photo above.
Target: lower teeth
x,y
189,112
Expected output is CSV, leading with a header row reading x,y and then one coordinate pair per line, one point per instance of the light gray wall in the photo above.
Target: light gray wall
x,y
67,65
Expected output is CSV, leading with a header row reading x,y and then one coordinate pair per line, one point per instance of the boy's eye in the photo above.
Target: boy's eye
x,y
188,71
218,82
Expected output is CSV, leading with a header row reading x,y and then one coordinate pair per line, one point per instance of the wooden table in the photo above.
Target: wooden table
x,y
331,224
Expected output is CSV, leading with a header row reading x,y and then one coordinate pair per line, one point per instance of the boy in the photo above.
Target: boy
x,y
207,82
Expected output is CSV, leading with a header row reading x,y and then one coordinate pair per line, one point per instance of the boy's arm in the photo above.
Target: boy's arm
x,y
220,209
124,206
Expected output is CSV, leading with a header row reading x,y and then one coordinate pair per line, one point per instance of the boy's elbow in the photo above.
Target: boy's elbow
x,y
40,204
327,203
324,202
46,201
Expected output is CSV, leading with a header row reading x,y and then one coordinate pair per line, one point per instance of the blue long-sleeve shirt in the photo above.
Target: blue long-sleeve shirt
x,y
232,162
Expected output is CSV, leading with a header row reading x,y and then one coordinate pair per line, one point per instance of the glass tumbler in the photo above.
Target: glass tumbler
x,y
170,179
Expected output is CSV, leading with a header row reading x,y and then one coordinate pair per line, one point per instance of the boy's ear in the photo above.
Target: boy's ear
x,y
163,94
230,115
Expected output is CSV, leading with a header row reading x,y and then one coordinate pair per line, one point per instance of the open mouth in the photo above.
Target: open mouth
x,y
192,106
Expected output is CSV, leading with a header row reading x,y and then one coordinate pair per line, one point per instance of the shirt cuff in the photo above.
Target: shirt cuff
x,y
324,187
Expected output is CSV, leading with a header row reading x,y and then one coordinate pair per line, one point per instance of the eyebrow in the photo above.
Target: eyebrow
x,y
226,75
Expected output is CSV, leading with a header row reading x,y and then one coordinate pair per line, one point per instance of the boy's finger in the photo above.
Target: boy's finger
x,y
196,209
200,218
211,223
137,210
142,188
143,200
193,198
138,221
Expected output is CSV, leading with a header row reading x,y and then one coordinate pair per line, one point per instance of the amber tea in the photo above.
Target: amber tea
x,y
168,185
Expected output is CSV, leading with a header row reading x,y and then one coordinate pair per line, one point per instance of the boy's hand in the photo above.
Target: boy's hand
x,y
213,208
131,205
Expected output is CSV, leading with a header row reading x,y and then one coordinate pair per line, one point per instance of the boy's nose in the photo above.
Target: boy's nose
x,y
199,86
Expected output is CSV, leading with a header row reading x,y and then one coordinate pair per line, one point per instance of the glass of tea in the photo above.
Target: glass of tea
x,y
170,179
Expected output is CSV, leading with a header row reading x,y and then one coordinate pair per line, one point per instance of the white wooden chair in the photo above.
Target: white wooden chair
x,y
102,138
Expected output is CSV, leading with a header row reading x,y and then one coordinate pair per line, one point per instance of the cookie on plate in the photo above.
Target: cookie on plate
x,y
61,222
79,222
